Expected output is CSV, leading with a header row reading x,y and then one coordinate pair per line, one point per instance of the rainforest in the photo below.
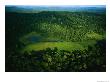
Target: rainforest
x,y
55,39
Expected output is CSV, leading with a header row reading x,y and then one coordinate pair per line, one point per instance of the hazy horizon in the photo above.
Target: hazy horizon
x,y
72,8
56,6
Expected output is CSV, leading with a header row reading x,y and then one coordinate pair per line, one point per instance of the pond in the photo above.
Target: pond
x,y
34,38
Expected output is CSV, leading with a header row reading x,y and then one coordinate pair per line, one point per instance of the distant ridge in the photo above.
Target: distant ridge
x,y
24,9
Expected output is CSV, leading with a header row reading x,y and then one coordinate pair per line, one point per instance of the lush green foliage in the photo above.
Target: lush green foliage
x,y
55,41
93,59
62,25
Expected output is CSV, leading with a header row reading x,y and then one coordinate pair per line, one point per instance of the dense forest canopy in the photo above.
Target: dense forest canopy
x,y
55,41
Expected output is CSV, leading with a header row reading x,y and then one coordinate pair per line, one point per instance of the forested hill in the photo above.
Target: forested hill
x,y
68,26
55,41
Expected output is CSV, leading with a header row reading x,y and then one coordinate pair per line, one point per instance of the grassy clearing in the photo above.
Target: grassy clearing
x,y
49,42
94,36
60,45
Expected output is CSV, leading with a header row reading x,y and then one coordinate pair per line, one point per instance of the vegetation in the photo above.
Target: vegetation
x,y
93,59
55,41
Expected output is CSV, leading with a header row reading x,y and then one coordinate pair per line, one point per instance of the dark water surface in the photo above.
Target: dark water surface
x,y
34,39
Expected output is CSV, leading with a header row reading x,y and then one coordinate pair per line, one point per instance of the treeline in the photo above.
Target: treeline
x,y
69,26
53,60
